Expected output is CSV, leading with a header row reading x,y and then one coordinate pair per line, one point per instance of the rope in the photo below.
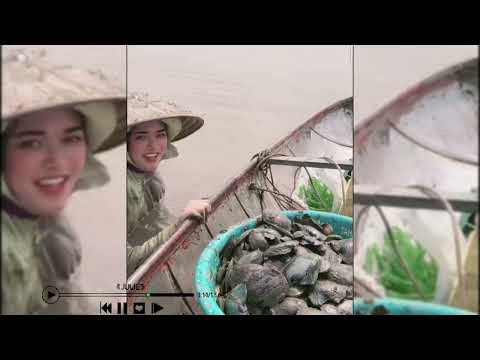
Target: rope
x,y
456,235
391,239
438,152
263,169
331,140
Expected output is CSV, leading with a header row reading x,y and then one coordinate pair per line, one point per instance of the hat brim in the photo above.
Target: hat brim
x,y
119,134
190,124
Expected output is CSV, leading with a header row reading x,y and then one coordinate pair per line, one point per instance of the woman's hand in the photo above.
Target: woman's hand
x,y
197,209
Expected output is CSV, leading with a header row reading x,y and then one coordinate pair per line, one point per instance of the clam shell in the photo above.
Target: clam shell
x,y
341,274
254,257
330,309
307,220
320,249
326,229
280,249
228,274
310,240
304,270
311,311
278,218
266,286
346,307
302,250
313,232
275,263
240,274
347,252
325,290
238,253
229,248
331,256
221,273
295,291
271,234
349,293
235,301
256,240
298,234
254,310
289,306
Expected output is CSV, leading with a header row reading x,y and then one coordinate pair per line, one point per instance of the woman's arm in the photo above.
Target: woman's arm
x,y
136,255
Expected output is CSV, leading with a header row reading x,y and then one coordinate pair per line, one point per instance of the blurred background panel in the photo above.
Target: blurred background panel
x,y
382,72
430,95
98,215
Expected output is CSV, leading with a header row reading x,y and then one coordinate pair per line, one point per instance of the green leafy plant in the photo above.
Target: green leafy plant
x,y
317,196
391,274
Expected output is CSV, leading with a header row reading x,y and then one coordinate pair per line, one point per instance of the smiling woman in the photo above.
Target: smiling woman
x,y
147,145
54,120
152,127
45,155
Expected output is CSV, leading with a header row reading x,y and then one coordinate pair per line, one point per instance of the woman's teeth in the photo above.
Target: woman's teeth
x,y
52,181
151,156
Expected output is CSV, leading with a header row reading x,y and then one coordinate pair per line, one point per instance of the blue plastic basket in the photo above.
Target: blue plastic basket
x,y
394,306
209,261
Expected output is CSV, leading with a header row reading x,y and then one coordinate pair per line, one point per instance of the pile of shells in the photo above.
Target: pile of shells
x,y
286,268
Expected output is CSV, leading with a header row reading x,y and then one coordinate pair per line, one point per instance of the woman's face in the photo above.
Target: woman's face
x,y
147,145
45,155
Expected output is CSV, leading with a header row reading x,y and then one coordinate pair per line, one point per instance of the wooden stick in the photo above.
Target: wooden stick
x,y
409,198
309,162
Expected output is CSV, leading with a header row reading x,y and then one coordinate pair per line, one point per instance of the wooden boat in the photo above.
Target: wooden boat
x,y
427,132
328,133
427,136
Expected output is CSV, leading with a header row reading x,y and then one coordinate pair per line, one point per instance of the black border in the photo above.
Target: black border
x,y
279,23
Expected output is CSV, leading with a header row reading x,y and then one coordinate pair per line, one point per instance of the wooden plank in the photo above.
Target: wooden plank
x,y
185,262
160,283
152,273
310,162
411,198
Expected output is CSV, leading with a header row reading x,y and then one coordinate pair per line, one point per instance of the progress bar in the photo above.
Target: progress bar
x,y
51,295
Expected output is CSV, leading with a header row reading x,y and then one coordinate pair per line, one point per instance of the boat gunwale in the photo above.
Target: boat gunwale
x,y
406,100
158,260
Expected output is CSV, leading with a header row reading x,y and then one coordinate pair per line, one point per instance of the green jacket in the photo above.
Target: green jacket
x,y
21,281
36,254
39,252
149,223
